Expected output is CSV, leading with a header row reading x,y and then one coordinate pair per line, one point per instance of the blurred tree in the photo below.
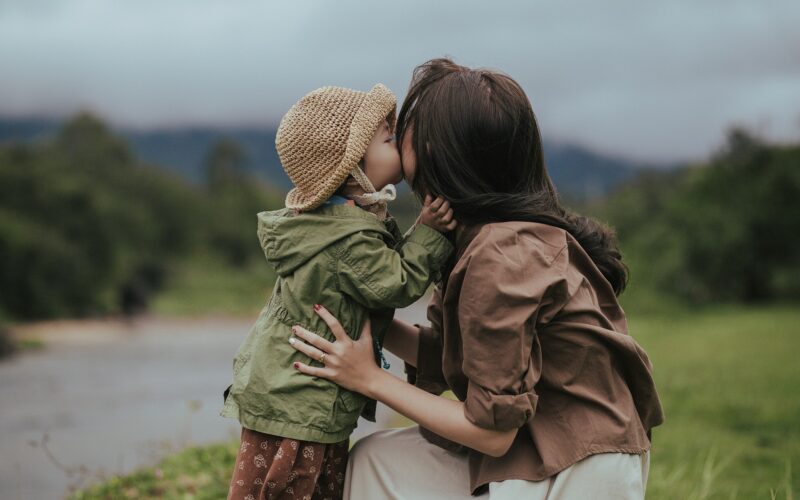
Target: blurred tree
x,y
225,165
236,197
86,141
85,228
728,230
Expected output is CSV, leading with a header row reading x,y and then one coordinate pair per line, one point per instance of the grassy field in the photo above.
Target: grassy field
x,y
728,376
729,379
203,285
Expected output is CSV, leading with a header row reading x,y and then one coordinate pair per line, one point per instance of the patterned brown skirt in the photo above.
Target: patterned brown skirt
x,y
273,467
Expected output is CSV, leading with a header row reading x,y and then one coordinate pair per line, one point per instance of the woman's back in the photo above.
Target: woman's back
x,y
525,327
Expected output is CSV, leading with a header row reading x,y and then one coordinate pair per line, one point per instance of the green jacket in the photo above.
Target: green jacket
x,y
344,258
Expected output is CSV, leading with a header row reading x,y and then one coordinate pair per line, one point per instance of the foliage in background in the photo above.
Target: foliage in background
x,y
728,230
85,229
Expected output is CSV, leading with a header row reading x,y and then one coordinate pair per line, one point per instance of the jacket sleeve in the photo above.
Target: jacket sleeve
x,y
378,276
505,283
427,375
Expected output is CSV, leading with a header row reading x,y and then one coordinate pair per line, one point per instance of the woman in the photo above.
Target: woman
x,y
555,399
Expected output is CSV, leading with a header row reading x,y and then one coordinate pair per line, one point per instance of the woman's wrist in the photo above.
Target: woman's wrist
x,y
375,383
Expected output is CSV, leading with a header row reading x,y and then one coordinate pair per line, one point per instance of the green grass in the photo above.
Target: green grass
x,y
30,344
729,381
9,346
728,378
203,285
201,473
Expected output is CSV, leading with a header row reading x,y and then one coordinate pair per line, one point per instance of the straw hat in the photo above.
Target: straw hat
x,y
322,137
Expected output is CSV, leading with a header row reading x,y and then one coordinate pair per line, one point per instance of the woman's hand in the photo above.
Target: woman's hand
x,y
349,363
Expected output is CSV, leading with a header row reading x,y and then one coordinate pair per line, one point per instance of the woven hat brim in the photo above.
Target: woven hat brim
x,y
378,104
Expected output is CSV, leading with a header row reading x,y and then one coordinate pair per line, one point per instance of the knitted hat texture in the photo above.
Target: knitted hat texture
x,y
322,137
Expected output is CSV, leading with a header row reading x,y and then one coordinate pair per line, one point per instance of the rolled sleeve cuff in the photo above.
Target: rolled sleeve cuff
x,y
500,412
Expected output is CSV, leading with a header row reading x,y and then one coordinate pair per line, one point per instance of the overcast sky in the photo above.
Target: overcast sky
x,y
656,81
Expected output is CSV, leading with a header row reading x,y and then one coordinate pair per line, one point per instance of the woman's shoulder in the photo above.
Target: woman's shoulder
x,y
517,242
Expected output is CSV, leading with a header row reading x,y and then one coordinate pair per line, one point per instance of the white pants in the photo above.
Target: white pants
x,y
401,464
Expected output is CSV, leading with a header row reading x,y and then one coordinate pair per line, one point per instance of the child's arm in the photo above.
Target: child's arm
x,y
378,276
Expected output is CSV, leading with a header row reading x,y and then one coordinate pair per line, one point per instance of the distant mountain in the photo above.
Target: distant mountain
x,y
580,173
185,149
179,149
576,171
31,129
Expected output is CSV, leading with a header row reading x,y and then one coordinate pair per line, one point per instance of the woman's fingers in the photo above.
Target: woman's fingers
x,y
316,371
445,207
311,352
333,323
453,224
447,217
312,338
427,201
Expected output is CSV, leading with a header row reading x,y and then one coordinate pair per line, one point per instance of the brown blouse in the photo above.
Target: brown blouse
x,y
529,334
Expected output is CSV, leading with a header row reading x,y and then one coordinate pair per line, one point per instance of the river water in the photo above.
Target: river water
x,y
105,397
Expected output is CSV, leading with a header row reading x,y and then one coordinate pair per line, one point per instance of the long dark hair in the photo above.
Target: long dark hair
x,y
477,144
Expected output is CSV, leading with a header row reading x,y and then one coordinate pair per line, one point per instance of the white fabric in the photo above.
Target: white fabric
x,y
401,464
387,193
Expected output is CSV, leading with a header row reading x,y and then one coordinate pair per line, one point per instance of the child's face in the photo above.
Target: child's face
x,y
382,160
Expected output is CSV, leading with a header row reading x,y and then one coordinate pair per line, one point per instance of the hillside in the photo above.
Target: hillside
x,y
577,172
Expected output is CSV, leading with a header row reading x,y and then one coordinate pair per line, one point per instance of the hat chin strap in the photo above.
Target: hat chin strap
x,y
388,193
371,196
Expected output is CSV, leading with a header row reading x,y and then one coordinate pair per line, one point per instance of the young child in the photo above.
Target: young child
x,y
333,244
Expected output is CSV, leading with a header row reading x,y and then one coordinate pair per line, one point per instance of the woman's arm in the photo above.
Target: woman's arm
x,y
350,364
441,415
402,339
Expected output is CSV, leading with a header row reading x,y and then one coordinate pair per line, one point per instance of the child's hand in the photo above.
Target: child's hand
x,y
437,214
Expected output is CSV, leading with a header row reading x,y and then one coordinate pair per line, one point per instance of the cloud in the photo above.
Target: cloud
x,y
648,81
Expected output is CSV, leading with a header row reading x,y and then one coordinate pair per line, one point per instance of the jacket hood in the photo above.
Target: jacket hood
x,y
290,240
